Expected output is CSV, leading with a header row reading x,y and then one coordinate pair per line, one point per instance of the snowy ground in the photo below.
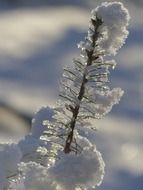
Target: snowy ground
x,y
36,43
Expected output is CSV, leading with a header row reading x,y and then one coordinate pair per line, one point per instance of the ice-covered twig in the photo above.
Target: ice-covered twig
x,y
85,88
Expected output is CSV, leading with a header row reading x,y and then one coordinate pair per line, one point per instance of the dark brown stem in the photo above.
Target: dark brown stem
x,y
75,111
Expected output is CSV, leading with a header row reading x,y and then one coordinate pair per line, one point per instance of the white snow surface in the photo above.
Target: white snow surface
x,y
71,171
85,170
28,145
10,156
35,177
31,142
44,113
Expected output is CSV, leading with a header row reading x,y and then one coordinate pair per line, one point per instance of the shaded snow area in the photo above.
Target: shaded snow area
x,y
86,169
35,43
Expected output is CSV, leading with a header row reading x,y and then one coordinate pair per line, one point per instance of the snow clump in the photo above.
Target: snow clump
x,y
84,170
115,18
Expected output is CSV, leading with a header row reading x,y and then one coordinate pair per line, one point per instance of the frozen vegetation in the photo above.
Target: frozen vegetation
x,y
55,155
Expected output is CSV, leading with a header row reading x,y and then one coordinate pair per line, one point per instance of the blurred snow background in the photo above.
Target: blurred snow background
x,y
38,37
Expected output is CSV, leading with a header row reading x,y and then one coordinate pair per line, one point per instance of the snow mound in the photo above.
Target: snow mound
x,y
84,170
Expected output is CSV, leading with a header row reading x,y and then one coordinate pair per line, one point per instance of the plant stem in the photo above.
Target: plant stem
x,y
75,111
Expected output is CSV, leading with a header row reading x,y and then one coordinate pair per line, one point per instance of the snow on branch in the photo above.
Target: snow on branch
x,y
85,87
55,156
114,29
